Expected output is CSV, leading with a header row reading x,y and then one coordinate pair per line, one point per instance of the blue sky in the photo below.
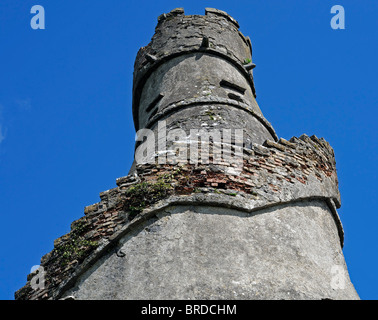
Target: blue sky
x,y
66,131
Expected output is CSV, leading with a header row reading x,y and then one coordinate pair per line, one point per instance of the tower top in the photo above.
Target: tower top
x,y
176,35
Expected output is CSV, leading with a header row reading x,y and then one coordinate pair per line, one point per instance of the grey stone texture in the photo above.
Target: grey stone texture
x,y
201,252
193,76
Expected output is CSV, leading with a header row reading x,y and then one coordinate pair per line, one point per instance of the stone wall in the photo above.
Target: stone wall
x,y
288,172
263,227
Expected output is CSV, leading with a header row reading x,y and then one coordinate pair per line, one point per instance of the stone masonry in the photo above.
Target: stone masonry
x,y
264,228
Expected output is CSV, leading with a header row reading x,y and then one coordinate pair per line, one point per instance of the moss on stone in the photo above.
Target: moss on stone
x,y
142,194
75,247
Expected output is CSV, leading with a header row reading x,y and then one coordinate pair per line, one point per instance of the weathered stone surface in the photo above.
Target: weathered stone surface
x,y
201,252
193,76
261,224
177,48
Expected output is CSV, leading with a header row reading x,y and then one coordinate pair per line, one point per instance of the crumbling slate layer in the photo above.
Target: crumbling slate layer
x,y
301,169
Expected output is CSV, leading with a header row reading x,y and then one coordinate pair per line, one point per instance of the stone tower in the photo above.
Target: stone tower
x,y
215,206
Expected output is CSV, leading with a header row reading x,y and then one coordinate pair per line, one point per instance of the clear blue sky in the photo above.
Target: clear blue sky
x,y
66,131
